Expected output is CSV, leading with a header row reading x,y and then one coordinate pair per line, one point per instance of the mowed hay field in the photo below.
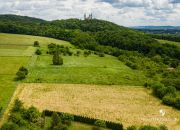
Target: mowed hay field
x,y
126,104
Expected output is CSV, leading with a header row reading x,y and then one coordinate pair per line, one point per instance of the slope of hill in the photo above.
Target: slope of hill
x,y
100,53
16,18
96,32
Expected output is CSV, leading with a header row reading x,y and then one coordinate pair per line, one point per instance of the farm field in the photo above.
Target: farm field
x,y
126,104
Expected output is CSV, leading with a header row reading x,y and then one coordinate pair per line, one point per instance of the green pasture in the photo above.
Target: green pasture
x,y
85,70
16,39
10,65
16,51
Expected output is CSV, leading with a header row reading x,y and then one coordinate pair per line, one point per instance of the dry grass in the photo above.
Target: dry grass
x,y
129,105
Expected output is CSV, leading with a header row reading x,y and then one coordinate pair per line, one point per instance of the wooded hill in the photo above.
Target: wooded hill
x,y
89,34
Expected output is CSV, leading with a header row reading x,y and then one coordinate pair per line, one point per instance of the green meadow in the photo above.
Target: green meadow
x,y
17,50
85,70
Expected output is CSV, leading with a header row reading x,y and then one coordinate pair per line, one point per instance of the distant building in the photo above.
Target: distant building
x,y
90,17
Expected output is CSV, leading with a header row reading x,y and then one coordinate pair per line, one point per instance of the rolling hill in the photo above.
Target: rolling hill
x,y
101,61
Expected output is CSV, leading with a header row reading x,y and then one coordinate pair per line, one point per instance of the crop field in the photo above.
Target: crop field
x,y
126,104
86,70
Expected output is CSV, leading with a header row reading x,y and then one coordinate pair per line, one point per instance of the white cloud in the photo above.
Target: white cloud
x,y
123,12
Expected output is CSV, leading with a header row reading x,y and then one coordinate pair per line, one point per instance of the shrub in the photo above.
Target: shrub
x,y
18,106
70,53
169,99
148,127
114,126
171,90
57,60
17,119
78,53
101,55
25,70
66,116
131,65
9,126
100,123
55,119
87,53
38,52
51,45
36,44
31,114
40,122
1,110
163,127
177,103
159,90
21,74
146,85
132,128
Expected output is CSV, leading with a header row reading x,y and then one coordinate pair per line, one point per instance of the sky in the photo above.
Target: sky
x,y
122,12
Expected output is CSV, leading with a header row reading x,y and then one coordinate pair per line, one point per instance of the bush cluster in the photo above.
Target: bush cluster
x,y
36,44
57,59
23,118
38,52
53,48
167,94
87,53
21,74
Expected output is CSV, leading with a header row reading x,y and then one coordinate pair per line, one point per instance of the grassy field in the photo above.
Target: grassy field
x,y
86,70
74,125
128,105
8,67
169,42
16,51
15,39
